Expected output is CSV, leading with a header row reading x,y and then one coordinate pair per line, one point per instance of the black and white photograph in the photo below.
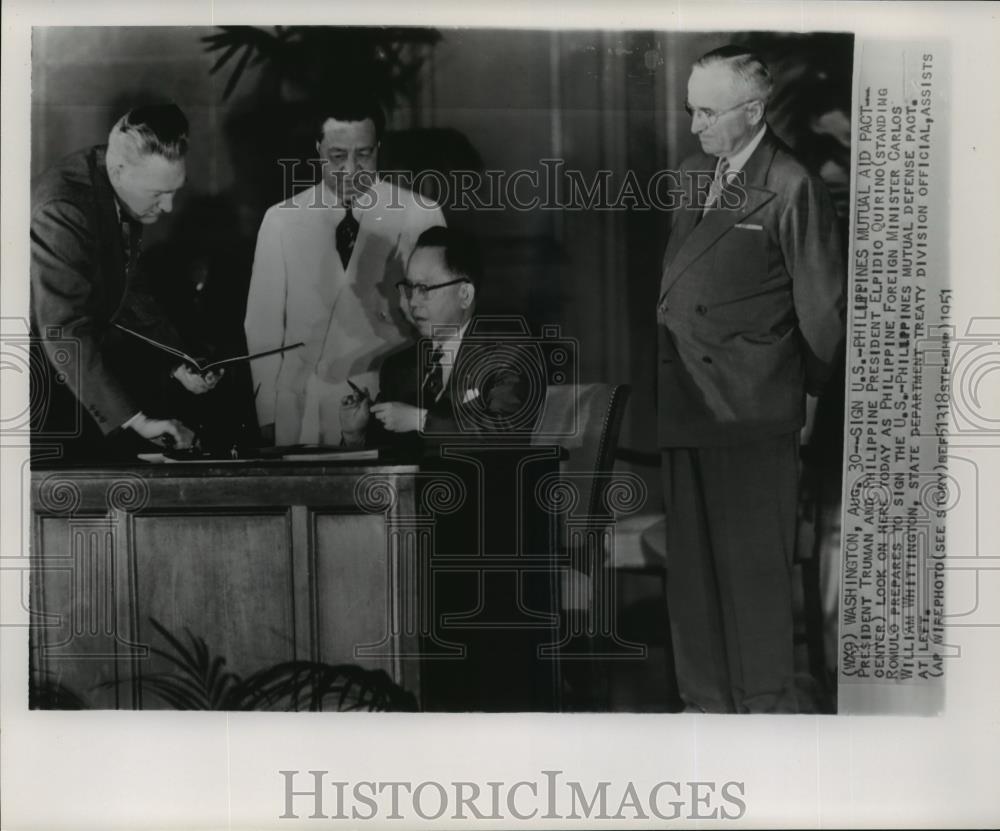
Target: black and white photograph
x,y
329,413
584,408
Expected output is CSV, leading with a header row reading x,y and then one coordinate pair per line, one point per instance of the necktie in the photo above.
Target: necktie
x,y
718,183
131,242
346,236
434,380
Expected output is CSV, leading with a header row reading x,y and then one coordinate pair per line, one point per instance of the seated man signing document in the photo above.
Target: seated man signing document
x,y
453,381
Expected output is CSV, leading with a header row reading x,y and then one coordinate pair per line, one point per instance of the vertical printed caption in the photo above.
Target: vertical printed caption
x,y
896,477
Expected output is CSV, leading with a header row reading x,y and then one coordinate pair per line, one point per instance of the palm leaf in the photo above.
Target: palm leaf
x,y
351,687
199,680
218,682
48,694
224,58
254,43
314,57
178,692
237,72
181,657
202,681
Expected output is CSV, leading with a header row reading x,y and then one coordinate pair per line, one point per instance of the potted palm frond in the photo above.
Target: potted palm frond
x,y
197,679
291,68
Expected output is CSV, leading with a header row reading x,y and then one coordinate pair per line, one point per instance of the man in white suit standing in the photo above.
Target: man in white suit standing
x,y
325,272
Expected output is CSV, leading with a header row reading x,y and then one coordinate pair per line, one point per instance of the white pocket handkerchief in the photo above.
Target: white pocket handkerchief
x,y
470,395
746,226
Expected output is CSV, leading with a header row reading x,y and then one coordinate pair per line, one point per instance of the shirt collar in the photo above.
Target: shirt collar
x,y
737,160
123,217
120,213
454,339
329,199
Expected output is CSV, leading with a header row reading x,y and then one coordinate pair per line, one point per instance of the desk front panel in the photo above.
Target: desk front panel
x,y
262,565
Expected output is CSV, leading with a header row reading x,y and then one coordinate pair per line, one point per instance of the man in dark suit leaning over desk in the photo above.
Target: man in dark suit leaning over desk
x,y
459,380
751,318
87,215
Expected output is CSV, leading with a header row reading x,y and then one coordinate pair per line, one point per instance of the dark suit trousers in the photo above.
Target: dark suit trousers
x,y
731,514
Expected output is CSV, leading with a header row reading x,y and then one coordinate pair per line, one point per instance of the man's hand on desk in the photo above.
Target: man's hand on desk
x,y
197,383
399,418
166,432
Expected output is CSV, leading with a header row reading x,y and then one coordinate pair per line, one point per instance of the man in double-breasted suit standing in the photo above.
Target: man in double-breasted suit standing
x,y
751,319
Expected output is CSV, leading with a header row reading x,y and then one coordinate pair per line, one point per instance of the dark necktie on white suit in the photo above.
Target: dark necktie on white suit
x,y
346,235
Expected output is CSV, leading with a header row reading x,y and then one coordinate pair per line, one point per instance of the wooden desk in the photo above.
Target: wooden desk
x,y
267,562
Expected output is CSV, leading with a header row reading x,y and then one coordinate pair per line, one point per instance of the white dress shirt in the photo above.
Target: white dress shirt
x,y
739,158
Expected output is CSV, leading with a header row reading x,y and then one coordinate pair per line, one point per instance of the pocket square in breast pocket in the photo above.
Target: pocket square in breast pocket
x,y
747,226
470,395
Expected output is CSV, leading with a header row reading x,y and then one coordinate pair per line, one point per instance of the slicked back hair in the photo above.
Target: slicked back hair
x,y
462,256
749,71
154,130
349,108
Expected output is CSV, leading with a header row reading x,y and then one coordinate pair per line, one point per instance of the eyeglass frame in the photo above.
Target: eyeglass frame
x,y
712,119
409,289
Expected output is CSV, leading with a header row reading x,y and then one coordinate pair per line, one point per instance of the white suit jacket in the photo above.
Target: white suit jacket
x,y
347,319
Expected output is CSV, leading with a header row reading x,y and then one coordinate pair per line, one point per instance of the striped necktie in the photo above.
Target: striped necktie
x,y
717,186
434,380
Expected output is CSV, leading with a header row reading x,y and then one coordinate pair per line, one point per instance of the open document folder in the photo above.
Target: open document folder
x,y
199,364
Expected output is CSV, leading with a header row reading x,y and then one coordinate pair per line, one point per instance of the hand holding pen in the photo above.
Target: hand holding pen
x,y
359,394
355,412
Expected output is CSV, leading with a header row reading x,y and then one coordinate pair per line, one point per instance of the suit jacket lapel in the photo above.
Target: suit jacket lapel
x,y
334,277
696,239
451,391
112,254
317,236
